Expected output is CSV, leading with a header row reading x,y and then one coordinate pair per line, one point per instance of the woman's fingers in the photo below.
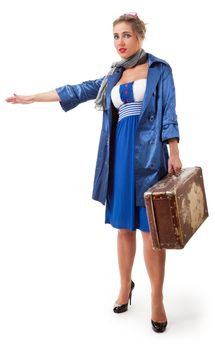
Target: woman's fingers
x,y
11,99
174,166
19,99
177,171
170,169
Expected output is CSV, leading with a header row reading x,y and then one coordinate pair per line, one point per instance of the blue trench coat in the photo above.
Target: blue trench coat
x,y
157,124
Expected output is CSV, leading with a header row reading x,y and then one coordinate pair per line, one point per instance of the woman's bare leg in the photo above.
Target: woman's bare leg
x,y
155,265
126,248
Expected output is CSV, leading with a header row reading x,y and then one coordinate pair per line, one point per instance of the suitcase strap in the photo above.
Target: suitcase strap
x,y
153,224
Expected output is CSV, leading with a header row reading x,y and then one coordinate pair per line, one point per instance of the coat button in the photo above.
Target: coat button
x,y
152,117
151,142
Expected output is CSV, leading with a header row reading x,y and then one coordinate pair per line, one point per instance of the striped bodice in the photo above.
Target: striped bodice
x,y
128,97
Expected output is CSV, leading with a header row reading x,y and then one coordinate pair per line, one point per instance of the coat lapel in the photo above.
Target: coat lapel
x,y
154,73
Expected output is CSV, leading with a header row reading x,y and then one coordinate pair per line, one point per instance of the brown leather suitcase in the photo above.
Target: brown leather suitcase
x,y
176,207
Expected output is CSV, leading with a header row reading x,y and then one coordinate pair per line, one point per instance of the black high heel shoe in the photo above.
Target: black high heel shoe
x,y
159,327
118,308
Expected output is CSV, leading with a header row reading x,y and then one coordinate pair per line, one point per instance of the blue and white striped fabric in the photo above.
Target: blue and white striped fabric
x,y
129,109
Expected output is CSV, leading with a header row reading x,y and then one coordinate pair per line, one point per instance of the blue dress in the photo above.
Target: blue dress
x,y
121,210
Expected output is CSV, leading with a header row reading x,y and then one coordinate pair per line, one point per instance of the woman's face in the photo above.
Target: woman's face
x,y
125,40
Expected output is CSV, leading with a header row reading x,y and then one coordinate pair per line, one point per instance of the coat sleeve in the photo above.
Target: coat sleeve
x,y
169,121
71,95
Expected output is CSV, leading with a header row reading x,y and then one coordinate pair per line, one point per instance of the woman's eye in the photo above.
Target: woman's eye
x,y
124,36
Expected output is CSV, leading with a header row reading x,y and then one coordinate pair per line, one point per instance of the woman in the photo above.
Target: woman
x,y
139,120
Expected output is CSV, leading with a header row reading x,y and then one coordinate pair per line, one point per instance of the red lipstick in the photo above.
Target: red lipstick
x,y
122,50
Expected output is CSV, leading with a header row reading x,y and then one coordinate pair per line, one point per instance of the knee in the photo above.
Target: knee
x,y
126,232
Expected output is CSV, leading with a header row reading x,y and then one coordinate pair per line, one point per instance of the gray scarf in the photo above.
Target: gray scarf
x,y
139,58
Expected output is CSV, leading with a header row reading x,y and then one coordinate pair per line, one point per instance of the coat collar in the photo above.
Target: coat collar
x,y
154,72
153,59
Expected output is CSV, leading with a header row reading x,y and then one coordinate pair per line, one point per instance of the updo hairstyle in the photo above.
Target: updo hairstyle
x,y
135,22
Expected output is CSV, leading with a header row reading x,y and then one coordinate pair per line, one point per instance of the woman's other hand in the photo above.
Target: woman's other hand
x,y
19,99
174,165
174,162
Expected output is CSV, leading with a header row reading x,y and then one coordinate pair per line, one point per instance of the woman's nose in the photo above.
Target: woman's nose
x,y
121,41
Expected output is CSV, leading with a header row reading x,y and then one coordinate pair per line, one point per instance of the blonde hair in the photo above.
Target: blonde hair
x,y
135,22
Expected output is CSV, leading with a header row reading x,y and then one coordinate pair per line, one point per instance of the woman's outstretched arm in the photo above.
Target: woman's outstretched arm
x,y
69,96
50,96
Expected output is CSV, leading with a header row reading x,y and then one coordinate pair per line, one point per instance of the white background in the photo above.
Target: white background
x,y
58,263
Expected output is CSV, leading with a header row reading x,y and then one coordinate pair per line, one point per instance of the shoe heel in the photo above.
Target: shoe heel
x,y
124,307
132,287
